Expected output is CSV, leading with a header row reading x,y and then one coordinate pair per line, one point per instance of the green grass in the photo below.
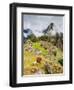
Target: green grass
x,y
53,60
37,45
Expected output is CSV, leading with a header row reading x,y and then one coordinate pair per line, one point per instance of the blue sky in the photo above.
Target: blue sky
x,y
37,23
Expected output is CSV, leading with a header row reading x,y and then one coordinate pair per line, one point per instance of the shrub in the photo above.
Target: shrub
x,y
61,62
33,38
44,38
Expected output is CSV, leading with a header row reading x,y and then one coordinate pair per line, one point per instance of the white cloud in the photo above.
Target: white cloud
x,y
37,23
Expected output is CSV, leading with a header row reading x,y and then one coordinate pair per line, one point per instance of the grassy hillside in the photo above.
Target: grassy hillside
x,y
42,56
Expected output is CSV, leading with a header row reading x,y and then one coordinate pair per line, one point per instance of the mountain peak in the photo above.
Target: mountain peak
x,y
50,30
27,32
50,26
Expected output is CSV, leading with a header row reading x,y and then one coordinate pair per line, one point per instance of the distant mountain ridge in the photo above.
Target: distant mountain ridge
x,y
27,32
48,28
49,31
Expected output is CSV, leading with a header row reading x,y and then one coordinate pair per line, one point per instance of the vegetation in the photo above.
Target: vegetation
x,y
43,55
61,61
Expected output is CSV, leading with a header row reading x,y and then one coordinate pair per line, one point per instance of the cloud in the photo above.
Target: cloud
x,y
37,23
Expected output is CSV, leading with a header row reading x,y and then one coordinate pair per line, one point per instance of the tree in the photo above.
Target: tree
x,y
57,36
33,38
61,37
43,38
61,62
